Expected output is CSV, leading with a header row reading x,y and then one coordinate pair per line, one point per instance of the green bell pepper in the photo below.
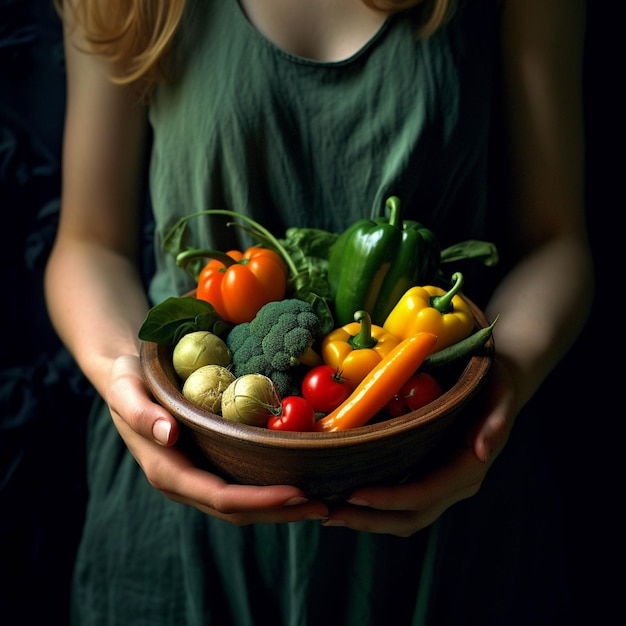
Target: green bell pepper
x,y
374,262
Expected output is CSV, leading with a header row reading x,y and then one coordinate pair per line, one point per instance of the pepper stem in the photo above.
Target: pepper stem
x,y
187,256
258,231
395,215
443,304
364,338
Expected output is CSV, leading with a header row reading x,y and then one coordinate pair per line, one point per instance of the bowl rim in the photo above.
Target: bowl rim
x,y
204,421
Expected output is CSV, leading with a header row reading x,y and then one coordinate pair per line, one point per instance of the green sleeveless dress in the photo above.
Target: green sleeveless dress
x,y
289,141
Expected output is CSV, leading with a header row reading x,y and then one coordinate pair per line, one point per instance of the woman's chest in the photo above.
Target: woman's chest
x,y
321,30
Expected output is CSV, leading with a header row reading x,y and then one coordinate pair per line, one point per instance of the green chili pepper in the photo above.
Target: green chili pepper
x,y
374,262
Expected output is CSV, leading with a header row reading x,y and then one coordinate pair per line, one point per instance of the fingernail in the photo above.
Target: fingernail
x,y
334,522
359,502
161,431
296,500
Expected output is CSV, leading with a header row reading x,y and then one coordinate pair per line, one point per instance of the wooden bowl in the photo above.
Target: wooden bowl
x,y
323,465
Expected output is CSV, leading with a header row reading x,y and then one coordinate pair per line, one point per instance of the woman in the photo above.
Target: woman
x,y
311,114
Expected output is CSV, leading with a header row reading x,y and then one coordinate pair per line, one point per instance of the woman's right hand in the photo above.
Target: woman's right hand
x,y
150,434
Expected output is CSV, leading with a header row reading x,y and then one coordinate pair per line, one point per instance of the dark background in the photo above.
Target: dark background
x,y
43,397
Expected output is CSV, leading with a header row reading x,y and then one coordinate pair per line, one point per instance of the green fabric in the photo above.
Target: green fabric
x,y
292,142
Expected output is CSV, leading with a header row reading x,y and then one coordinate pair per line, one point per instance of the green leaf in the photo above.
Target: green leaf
x,y
173,242
313,242
484,251
309,249
168,321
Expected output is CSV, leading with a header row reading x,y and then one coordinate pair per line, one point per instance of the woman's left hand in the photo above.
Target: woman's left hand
x,y
405,509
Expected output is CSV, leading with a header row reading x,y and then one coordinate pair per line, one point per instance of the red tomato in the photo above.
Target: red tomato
x,y
296,414
396,407
419,390
325,388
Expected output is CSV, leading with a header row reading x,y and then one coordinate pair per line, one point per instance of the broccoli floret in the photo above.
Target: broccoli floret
x,y
294,329
292,343
257,364
247,347
284,382
273,342
263,322
237,336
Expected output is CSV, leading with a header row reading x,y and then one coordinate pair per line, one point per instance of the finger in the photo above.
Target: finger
x,y
499,403
491,436
407,509
172,473
398,523
458,479
214,493
316,511
142,415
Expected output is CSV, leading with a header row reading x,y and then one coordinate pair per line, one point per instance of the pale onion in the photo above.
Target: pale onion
x,y
251,399
206,385
199,348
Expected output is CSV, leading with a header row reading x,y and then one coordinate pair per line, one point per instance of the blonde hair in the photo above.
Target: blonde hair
x,y
137,36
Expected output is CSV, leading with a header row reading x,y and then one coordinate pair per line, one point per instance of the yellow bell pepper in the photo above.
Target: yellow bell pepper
x,y
434,310
356,348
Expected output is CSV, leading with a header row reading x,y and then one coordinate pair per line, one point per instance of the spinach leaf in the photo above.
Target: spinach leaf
x,y
168,321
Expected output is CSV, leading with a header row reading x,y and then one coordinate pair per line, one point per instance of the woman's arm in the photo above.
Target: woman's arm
x,y
545,299
93,287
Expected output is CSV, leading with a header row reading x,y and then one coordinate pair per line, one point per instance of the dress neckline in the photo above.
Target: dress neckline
x,y
266,41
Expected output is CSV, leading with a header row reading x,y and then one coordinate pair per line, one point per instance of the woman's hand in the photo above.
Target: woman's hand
x,y
405,509
144,425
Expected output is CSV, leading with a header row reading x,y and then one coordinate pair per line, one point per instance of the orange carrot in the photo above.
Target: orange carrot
x,y
380,385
